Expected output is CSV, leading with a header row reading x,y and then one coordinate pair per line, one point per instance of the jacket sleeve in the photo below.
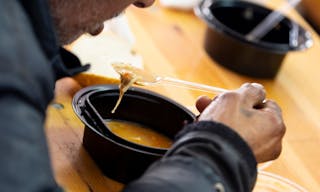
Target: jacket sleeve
x,y
26,88
207,156
66,64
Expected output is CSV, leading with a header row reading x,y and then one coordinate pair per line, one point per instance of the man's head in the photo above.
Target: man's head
x,y
72,18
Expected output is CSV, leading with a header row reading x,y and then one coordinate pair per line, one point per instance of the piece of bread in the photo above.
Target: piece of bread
x,y
101,51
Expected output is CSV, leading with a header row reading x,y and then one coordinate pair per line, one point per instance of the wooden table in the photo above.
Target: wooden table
x,y
171,44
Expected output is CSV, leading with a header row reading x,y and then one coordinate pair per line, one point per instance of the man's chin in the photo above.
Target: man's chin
x,y
63,40
66,40
97,30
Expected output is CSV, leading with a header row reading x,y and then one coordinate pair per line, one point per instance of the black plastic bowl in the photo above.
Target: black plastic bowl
x,y
229,21
119,159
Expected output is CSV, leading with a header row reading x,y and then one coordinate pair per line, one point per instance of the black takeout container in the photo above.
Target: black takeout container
x,y
119,159
229,21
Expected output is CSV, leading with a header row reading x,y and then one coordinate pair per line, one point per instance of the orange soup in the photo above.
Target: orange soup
x,y
139,134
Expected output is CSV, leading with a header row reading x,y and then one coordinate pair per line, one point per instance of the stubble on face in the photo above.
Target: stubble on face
x,y
73,18
60,12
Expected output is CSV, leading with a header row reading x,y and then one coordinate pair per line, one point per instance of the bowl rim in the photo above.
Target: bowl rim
x,y
279,179
78,103
202,10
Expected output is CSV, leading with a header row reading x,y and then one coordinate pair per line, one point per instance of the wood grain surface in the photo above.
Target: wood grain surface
x,y
171,44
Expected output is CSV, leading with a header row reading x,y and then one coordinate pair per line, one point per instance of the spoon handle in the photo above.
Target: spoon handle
x,y
271,20
191,85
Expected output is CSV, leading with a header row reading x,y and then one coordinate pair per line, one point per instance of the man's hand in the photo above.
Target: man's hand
x,y
258,121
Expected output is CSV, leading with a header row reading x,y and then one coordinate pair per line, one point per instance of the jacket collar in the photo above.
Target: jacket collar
x,y
63,62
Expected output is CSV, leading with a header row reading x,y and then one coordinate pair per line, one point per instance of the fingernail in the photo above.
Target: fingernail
x,y
257,85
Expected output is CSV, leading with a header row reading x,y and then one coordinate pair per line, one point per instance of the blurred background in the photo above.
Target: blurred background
x,y
310,11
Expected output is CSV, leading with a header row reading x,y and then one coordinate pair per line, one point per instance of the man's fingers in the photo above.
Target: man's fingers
x,y
202,102
270,105
254,94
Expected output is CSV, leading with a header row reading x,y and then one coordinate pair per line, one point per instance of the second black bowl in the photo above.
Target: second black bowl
x,y
229,21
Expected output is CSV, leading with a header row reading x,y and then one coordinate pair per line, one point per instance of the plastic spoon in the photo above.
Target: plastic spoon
x,y
271,20
148,79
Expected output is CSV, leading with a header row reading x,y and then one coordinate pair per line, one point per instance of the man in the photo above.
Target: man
x,y
217,153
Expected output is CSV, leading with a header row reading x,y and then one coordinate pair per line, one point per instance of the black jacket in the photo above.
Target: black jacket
x,y
206,156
